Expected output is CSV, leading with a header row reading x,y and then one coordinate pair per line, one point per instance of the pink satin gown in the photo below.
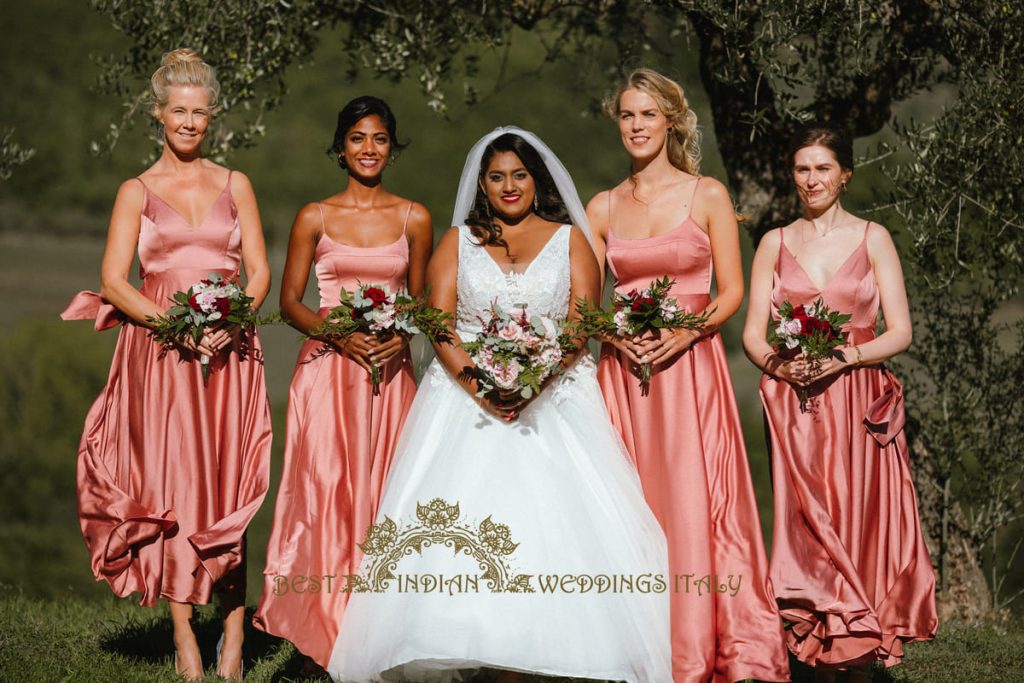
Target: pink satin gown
x,y
171,472
340,441
686,440
849,564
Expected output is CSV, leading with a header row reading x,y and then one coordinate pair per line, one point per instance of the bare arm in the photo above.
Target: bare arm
x,y
254,248
420,233
301,246
762,280
442,278
893,296
122,240
724,233
597,214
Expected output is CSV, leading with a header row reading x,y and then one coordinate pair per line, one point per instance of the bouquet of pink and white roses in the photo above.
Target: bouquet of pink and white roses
x,y
639,311
812,330
375,309
213,301
516,352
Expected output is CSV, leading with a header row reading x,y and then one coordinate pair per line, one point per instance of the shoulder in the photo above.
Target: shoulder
x,y
579,244
879,240
771,240
131,190
240,184
449,240
308,217
712,191
598,205
421,223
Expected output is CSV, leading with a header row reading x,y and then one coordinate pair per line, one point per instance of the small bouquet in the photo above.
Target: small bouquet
x,y
207,302
517,352
640,311
374,309
813,329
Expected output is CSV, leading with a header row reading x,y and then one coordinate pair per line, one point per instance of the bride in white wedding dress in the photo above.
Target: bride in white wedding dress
x,y
529,495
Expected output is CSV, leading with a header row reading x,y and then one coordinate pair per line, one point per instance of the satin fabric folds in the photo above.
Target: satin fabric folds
x,y
340,439
685,439
849,564
172,470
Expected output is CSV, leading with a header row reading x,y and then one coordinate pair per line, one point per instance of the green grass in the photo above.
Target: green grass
x,y
109,640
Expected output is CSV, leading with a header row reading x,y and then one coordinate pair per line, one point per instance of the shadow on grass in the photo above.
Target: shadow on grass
x,y
148,639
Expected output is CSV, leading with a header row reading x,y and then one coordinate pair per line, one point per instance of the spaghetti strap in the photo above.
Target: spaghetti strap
x,y
323,223
693,197
408,212
611,233
867,226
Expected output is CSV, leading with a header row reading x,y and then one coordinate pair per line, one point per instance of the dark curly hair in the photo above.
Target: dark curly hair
x,y
352,113
549,202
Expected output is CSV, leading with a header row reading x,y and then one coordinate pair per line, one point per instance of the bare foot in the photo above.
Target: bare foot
x,y
187,661
229,662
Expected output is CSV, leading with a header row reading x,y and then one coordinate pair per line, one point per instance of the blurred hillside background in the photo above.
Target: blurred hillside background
x,y
54,211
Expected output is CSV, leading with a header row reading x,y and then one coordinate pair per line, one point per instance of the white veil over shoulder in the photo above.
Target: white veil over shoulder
x,y
563,181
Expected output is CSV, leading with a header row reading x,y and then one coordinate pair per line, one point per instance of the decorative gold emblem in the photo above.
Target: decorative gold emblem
x,y
438,523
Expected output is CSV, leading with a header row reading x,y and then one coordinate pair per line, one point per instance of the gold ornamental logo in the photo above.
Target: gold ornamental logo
x,y
438,523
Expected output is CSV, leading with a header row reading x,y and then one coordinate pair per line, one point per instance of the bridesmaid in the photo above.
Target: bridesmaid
x,y
171,471
340,435
849,565
684,434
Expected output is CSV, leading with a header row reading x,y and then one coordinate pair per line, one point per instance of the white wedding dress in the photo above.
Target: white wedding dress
x,y
559,478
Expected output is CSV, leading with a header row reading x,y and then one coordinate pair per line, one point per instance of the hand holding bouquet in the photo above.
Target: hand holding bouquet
x,y
213,301
374,309
637,312
515,353
813,331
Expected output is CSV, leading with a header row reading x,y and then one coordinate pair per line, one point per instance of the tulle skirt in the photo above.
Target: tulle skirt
x,y
553,498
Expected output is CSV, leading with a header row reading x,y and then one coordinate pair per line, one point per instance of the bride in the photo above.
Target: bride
x,y
512,533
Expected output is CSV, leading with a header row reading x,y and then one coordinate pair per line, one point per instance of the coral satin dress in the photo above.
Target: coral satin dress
x,y
686,441
340,440
171,471
849,564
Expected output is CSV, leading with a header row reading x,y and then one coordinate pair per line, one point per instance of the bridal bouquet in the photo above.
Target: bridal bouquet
x,y
517,352
375,309
207,302
814,329
639,311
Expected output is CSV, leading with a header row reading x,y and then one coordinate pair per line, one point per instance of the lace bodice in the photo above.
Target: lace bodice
x,y
544,286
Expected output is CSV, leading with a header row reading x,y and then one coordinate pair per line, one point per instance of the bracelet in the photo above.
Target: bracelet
x,y
860,357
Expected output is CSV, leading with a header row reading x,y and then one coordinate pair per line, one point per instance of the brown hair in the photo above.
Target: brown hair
x,y
683,134
828,135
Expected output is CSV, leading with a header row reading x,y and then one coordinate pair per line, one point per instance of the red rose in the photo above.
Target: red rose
x,y
826,328
807,325
376,295
223,306
798,313
193,304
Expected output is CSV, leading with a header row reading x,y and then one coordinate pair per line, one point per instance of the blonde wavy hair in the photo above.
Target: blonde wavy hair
x,y
179,67
683,134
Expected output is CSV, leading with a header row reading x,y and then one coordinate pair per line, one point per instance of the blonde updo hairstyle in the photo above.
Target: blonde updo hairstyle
x,y
182,67
683,135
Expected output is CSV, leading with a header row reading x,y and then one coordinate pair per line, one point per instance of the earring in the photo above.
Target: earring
x,y
844,186
536,203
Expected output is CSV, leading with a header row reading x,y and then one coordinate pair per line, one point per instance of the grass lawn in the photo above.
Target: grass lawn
x,y
110,640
